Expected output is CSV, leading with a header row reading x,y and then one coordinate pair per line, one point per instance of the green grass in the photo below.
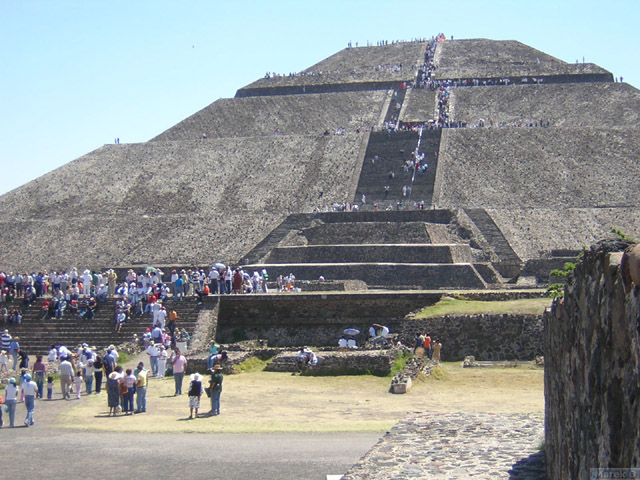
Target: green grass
x,y
124,358
400,363
251,364
461,306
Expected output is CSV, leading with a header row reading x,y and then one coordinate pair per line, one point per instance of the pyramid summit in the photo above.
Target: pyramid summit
x,y
508,157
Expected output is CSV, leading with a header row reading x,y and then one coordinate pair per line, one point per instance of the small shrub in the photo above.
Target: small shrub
x,y
556,290
400,362
622,236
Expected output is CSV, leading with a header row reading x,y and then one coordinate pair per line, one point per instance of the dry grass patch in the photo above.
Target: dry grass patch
x,y
264,402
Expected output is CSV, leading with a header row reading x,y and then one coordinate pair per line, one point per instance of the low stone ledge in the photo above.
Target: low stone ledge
x,y
375,362
403,381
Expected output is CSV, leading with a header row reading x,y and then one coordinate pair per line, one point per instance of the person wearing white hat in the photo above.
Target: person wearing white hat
x,y
195,392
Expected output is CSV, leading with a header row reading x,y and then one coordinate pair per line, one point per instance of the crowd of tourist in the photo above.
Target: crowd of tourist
x,y
84,371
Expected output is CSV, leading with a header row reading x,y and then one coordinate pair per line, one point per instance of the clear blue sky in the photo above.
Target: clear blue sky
x,y
77,74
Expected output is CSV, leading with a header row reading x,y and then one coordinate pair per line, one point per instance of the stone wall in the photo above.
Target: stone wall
x,y
592,370
312,319
375,362
297,319
486,337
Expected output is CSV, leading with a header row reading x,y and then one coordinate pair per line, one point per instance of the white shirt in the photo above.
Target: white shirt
x,y
53,355
11,392
30,388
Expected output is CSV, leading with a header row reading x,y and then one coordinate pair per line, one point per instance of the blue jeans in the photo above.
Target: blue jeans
x,y
215,402
178,377
154,366
128,400
30,404
15,359
88,383
11,404
141,399
39,378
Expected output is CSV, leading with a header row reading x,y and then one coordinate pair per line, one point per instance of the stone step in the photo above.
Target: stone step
x,y
367,232
422,275
371,253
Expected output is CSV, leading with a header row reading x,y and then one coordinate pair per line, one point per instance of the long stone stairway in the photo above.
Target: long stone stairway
x,y
38,334
509,264
385,165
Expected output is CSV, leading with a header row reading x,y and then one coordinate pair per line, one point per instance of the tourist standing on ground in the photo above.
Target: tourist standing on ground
x,y
162,361
179,365
141,388
3,361
216,389
427,346
30,390
11,399
38,372
113,390
154,353
66,371
14,348
78,381
98,372
195,392
436,351
130,383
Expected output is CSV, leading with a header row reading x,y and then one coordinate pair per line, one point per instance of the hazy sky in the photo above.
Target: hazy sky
x,y
77,74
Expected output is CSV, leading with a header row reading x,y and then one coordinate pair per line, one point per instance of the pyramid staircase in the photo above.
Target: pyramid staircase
x,y
37,334
386,250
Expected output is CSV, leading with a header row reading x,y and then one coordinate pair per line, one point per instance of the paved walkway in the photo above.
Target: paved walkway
x,y
63,453
457,446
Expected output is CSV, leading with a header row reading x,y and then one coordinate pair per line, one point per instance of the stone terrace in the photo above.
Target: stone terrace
x,y
531,231
161,201
593,105
537,168
291,114
355,65
483,58
419,106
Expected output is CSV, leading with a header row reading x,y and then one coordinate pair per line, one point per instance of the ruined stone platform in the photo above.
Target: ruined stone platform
x,y
457,446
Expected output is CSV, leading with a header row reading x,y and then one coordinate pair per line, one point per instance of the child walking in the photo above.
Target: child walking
x,y
49,387
79,381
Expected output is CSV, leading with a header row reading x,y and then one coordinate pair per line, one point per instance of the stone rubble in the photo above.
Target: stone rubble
x,y
457,446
